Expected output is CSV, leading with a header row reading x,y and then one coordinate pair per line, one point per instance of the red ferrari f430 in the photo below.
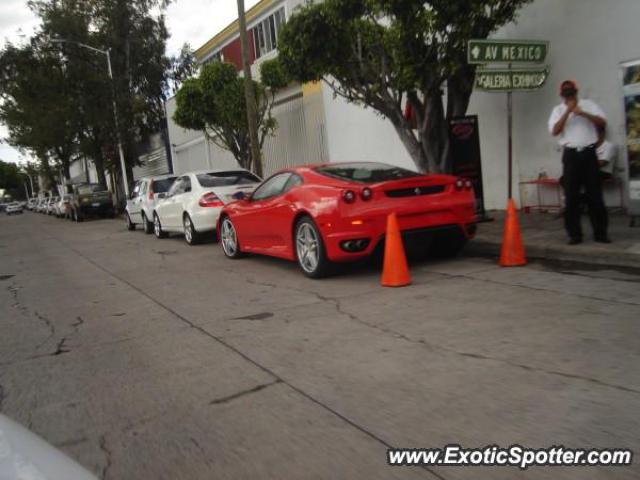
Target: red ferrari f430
x,y
321,214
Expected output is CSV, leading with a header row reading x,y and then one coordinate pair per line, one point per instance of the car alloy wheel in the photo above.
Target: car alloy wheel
x,y
190,234
307,247
157,227
229,239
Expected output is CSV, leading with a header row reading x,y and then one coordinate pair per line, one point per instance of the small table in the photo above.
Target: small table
x,y
542,182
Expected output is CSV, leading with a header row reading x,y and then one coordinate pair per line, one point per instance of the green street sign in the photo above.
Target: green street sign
x,y
506,80
507,51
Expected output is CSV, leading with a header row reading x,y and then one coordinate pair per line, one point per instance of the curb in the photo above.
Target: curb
x,y
560,253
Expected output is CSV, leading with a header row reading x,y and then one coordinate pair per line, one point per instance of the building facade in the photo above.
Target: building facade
x,y
589,40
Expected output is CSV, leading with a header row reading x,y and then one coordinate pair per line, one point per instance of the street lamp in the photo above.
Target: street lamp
x,y
123,165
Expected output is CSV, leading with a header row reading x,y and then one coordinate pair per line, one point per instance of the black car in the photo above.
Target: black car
x,y
90,199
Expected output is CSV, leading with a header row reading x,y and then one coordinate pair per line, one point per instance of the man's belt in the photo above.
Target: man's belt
x,y
580,149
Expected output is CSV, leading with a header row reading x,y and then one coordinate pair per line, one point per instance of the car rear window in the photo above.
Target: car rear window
x,y
226,179
84,189
366,172
163,186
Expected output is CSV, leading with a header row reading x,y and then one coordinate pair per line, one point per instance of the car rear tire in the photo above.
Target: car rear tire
x,y
147,226
157,227
310,251
130,225
229,239
190,235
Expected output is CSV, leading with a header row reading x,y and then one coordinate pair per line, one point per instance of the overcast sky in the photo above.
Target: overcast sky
x,y
192,21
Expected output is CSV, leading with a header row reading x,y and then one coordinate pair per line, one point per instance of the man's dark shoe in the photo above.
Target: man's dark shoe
x,y
575,241
603,239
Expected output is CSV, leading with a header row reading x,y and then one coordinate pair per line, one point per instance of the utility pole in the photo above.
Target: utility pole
x,y
249,93
107,54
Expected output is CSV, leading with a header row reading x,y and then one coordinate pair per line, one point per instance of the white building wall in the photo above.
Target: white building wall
x,y
358,134
589,39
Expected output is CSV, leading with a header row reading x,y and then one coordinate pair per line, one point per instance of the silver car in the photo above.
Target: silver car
x,y
146,194
13,208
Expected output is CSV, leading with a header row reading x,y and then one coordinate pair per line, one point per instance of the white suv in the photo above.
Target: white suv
x,y
146,194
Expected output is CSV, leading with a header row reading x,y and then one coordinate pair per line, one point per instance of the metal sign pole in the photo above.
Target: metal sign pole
x,y
510,128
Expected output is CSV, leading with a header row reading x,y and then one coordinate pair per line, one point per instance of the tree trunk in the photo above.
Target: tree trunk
x,y
249,92
434,134
98,161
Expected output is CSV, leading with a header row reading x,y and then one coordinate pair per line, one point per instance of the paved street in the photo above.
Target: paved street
x,y
148,359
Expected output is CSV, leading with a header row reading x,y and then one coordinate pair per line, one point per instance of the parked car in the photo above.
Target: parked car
x,y
146,194
31,204
13,208
60,209
27,456
194,201
50,209
318,215
90,199
42,203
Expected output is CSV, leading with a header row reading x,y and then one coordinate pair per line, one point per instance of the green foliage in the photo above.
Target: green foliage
x,y
215,103
384,53
11,180
57,97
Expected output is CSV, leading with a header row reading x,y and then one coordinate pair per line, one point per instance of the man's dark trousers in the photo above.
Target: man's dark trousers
x,y
581,170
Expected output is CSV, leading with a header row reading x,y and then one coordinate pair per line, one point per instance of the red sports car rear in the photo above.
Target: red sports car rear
x,y
337,212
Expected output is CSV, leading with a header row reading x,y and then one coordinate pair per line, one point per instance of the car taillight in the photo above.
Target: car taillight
x,y
210,200
151,190
349,196
366,194
463,184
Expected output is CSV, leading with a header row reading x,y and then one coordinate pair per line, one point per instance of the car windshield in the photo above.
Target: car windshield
x,y
163,186
366,172
90,188
226,179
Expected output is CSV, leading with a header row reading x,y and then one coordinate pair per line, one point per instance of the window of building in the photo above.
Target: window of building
x,y
265,33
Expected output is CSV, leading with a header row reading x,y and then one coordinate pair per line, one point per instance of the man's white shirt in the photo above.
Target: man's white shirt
x,y
579,131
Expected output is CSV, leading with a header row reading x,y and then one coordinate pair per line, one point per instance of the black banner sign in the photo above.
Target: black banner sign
x,y
464,141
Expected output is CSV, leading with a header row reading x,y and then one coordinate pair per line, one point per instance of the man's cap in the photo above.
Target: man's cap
x,y
569,84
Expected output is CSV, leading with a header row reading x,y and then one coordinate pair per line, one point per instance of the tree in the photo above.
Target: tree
x,y
38,105
136,36
383,54
215,103
11,180
181,67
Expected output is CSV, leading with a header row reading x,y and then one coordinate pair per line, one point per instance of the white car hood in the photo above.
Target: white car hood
x,y
25,456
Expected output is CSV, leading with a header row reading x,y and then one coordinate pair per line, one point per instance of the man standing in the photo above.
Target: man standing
x,y
574,122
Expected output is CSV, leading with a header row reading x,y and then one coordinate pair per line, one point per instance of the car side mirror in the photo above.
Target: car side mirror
x,y
242,196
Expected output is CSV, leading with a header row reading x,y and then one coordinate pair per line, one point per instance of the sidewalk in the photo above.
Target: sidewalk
x,y
545,238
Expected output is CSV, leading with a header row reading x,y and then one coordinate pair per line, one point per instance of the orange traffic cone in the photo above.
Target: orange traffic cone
x,y
395,272
512,254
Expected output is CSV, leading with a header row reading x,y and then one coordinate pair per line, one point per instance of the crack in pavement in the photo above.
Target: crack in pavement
x,y
362,429
60,350
537,289
255,316
48,324
76,325
434,347
107,454
229,398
